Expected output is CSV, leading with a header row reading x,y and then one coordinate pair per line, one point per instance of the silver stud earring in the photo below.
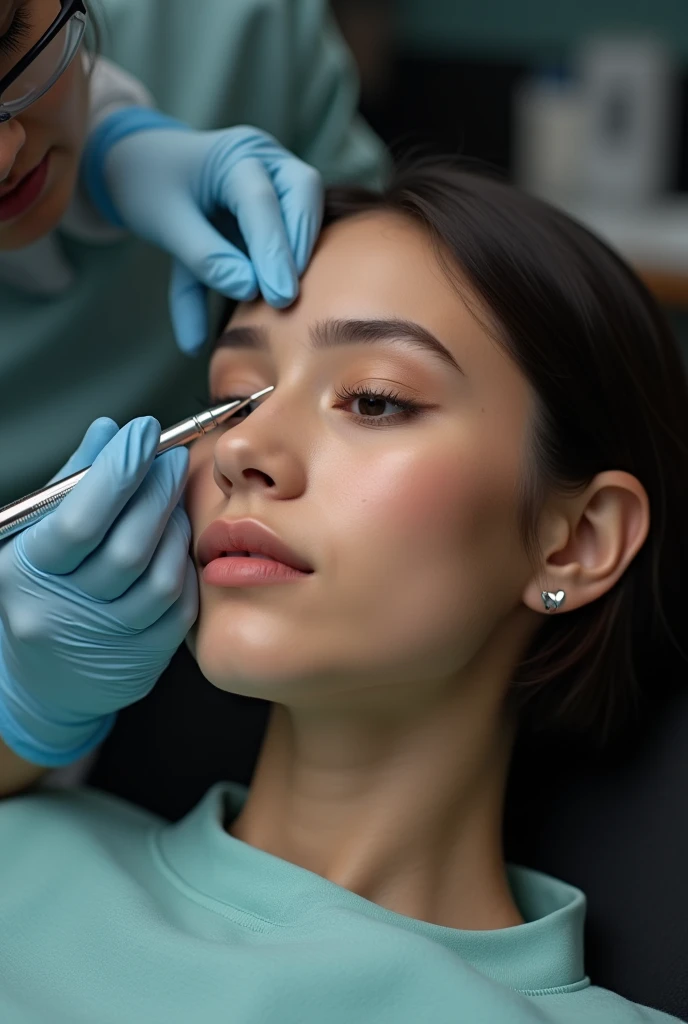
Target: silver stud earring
x,y
553,602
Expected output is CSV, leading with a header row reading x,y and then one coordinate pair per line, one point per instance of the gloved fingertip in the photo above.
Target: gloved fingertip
x,y
280,285
282,290
146,426
190,346
190,325
144,435
188,310
98,434
104,424
97,437
279,301
241,289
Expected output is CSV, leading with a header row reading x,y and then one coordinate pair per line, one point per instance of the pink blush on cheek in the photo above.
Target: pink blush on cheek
x,y
422,502
400,494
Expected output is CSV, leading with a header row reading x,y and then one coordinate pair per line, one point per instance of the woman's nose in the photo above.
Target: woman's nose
x,y
256,456
12,139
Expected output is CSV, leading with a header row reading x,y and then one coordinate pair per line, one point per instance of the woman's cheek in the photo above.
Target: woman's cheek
x,y
432,500
401,489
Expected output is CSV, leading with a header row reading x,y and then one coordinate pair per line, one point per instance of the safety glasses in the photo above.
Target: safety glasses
x,y
40,68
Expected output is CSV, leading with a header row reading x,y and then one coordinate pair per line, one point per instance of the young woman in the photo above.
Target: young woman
x,y
462,504
83,156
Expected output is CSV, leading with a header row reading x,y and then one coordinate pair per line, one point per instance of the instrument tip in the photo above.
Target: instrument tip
x,y
220,413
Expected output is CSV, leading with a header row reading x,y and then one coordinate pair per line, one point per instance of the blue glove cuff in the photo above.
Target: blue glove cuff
x,y
22,743
112,130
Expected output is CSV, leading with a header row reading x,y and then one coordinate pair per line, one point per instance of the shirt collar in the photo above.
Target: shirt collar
x,y
545,953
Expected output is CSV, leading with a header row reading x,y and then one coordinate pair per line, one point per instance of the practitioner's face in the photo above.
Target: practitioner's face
x,y
40,149
387,461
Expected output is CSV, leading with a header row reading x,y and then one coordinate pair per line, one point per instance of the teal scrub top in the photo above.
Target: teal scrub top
x,y
104,347
109,915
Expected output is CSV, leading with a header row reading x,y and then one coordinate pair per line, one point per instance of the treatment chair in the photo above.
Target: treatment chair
x,y
616,826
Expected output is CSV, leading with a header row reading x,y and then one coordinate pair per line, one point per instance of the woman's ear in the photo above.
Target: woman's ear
x,y
589,540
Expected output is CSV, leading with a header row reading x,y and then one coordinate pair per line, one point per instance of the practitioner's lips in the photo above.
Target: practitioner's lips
x,y
20,195
244,552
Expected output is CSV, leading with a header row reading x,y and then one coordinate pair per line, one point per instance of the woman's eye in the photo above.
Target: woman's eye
x,y
377,408
371,408
375,405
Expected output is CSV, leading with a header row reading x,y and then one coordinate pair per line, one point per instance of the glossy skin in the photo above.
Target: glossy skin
x,y
54,125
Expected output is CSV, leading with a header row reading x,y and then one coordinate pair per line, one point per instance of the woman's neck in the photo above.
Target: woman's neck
x,y
405,811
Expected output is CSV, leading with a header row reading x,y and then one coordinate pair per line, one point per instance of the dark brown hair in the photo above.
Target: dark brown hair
x,y
611,393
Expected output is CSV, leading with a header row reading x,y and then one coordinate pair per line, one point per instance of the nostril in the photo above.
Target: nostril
x,y
257,474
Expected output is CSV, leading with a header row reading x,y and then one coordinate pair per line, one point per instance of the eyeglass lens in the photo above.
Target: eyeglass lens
x,y
50,63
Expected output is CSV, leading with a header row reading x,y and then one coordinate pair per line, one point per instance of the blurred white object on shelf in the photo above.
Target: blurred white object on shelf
x,y
547,123
629,95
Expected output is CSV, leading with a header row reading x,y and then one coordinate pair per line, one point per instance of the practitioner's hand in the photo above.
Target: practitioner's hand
x,y
164,181
96,597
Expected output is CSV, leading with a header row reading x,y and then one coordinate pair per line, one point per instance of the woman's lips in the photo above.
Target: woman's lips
x,y
246,553
248,571
25,193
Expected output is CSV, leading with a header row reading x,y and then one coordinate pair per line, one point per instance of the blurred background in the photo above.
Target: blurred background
x,y
584,102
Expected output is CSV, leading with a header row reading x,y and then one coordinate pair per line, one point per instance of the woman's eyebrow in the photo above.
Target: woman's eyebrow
x,y
334,332
330,333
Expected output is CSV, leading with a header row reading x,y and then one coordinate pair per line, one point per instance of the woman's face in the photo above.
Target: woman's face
x,y
40,149
387,459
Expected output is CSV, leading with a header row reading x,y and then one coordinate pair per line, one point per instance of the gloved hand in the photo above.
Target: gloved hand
x,y
163,181
96,597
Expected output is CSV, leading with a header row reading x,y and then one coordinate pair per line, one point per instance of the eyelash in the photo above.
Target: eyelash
x,y
409,408
11,41
345,396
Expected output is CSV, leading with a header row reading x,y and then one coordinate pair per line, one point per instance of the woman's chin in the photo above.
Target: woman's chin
x,y
244,669
250,652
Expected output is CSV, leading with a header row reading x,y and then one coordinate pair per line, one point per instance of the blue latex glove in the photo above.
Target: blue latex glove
x,y
163,181
96,597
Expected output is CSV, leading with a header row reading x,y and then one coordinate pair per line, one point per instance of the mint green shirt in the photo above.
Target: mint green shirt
x,y
103,345
110,916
